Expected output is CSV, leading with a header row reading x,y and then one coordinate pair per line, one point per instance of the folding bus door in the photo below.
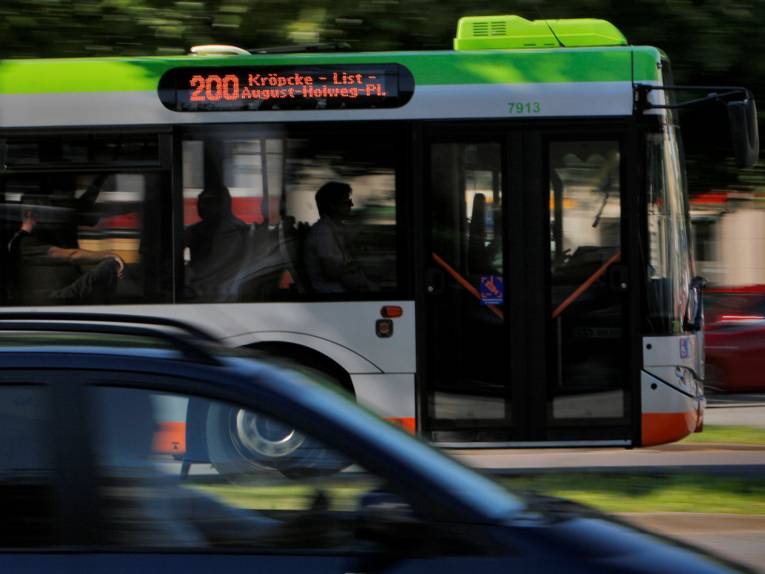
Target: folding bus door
x,y
467,393
588,394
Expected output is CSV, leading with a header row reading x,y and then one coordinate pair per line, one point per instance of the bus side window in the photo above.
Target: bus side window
x,y
273,181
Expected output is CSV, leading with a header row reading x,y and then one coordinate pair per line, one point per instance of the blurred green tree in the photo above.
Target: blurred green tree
x,y
709,42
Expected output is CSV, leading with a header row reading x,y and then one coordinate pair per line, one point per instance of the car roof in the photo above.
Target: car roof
x,y
74,332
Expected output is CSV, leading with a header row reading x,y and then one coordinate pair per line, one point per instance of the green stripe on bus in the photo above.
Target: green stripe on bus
x,y
428,68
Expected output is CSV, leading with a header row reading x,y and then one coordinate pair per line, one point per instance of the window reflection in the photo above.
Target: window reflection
x,y
252,482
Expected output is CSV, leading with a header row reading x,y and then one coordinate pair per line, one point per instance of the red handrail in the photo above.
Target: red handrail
x,y
556,313
586,285
466,284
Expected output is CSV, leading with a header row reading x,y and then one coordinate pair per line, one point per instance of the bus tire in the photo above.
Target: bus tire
x,y
242,443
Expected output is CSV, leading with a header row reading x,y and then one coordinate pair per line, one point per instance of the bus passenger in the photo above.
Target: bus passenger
x,y
216,244
46,272
329,265
75,211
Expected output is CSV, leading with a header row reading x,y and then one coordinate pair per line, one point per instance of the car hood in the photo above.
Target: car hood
x,y
586,535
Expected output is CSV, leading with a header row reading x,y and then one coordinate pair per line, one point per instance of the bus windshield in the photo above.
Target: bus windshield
x,y
669,262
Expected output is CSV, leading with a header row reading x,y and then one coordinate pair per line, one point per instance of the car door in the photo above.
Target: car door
x,y
165,502
44,483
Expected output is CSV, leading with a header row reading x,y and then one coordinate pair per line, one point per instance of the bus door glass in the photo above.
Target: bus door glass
x,y
467,349
587,377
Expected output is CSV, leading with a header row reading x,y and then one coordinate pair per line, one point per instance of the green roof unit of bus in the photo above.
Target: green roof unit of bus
x,y
553,65
514,32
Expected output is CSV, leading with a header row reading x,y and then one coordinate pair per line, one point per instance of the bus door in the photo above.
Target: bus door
x,y
588,391
525,290
466,378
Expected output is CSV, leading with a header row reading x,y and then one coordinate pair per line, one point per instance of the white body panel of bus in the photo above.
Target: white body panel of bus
x,y
381,369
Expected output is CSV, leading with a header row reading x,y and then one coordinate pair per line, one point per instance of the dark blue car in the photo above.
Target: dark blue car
x,y
130,446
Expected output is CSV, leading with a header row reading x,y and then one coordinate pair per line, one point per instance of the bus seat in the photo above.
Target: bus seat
x,y
22,284
13,268
291,239
260,268
478,258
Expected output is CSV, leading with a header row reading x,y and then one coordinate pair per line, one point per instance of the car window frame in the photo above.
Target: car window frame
x,y
74,510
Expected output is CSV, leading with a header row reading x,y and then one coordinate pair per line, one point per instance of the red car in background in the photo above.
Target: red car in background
x,y
734,336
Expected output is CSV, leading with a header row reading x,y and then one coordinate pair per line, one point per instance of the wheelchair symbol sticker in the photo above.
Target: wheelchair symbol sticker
x,y
492,290
684,348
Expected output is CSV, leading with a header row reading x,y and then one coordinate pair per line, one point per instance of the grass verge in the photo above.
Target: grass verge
x,y
728,434
609,492
662,493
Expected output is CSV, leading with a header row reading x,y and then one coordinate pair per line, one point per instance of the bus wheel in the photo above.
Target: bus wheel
x,y
242,443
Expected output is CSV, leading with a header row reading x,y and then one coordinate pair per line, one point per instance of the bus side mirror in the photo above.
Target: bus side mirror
x,y
742,117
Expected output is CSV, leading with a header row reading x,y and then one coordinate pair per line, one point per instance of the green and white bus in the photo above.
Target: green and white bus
x,y
520,215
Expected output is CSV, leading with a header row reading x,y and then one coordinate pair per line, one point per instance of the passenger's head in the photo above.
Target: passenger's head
x,y
334,200
214,203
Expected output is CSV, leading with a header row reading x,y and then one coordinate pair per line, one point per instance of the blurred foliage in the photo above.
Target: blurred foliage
x,y
709,42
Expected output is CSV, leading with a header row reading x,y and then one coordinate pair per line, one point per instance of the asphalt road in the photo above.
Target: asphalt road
x,y
739,460
746,410
738,538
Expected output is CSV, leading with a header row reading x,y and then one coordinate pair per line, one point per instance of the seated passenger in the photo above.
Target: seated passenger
x,y
46,272
75,210
329,266
216,244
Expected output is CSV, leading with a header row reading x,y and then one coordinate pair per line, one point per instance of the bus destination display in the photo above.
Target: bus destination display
x,y
247,88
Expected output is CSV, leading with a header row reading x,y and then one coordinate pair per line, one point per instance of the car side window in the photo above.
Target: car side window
x,y
27,470
184,472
